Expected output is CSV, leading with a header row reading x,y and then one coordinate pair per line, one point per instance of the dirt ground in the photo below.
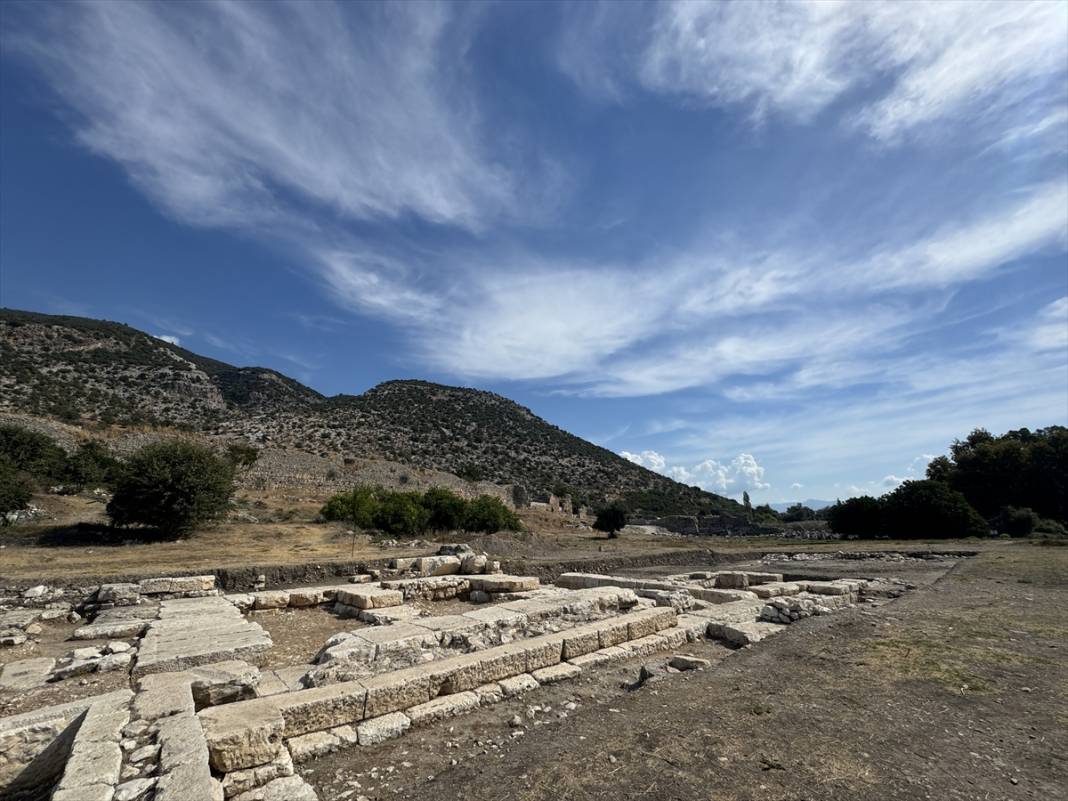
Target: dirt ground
x,y
957,690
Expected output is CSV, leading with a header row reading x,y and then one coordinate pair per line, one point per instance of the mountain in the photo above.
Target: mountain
x,y
811,503
81,370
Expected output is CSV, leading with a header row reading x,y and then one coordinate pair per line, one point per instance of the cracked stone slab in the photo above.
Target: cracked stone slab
x,y
26,674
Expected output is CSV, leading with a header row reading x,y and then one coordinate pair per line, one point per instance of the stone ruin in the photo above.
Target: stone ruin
x,y
203,720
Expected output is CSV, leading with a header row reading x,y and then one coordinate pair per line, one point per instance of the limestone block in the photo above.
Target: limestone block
x,y
287,788
319,707
365,597
473,563
162,694
224,682
649,621
612,632
346,735
580,640
177,584
497,616
306,597
775,589
270,599
134,790
398,637
437,565
645,646
561,672
732,580
742,634
119,594
26,674
489,693
85,792
541,652
603,656
350,651
673,637
503,583
243,735
687,662
312,745
445,706
241,781
114,662
76,667
110,630
696,627
399,689
517,685
91,762
380,729
242,600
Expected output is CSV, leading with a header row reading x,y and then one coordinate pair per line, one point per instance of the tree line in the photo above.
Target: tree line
x,y
1015,484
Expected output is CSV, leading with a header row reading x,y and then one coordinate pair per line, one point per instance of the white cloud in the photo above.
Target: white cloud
x,y
892,481
228,114
907,64
796,486
651,459
168,338
742,473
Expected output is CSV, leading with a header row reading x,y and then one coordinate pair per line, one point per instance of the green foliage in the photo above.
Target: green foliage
x,y
32,453
92,466
174,486
408,514
1015,522
487,513
856,517
798,513
918,509
15,490
1021,469
401,514
470,471
242,455
611,519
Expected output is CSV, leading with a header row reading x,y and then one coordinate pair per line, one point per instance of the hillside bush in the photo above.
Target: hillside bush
x,y
32,453
488,514
173,486
91,466
409,514
446,510
1015,522
401,514
357,507
15,490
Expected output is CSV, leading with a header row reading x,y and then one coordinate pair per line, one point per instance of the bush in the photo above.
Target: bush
x,y
930,509
15,490
487,513
32,453
798,513
1015,522
610,520
174,486
856,517
446,510
401,514
92,465
357,507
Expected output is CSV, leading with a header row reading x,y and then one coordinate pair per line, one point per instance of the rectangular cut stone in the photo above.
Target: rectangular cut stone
x,y
270,599
775,589
603,656
399,689
541,652
25,674
673,637
496,582
561,672
241,781
649,621
695,627
742,634
437,565
399,636
380,729
118,629
312,745
306,597
319,707
646,646
497,616
517,685
446,706
243,735
199,631
489,693
163,694
612,632
176,584
581,640
369,597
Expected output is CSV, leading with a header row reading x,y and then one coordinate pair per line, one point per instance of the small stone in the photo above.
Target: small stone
x,y
686,662
117,647
33,629
516,722
134,789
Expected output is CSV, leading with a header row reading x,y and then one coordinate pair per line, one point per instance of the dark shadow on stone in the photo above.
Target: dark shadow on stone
x,y
37,781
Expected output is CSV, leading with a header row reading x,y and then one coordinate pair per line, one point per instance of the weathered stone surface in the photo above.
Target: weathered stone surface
x,y
473,563
399,689
312,745
176,584
742,634
437,565
107,630
112,662
242,735
446,706
497,616
364,597
603,656
721,596
76,667
649,621
224,682
318,708
241,781
517,685
163,694
119,594
270,599
85,792
687,662
380,729
311,596
26,674
489,693
288,788
134,790
503,583
732,580
561,672
696,627
242,600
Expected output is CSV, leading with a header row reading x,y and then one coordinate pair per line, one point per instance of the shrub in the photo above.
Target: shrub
x,y
610,520
242,455
930,509
1015,522
358,506
487,513
32,452
401,514
15,490
856,517
446,510
797,513
174,486
92,465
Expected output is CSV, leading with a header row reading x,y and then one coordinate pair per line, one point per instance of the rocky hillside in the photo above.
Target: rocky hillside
x,y
78,369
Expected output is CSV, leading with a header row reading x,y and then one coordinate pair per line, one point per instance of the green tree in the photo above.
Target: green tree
x,y
856,517
401,514
487,513
174,486
445,509
748,505
918,509
610,520
15,490
32,453
92,465
358,507
242,455
797,513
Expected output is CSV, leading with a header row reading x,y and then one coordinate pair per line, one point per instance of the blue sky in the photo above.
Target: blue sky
x,y
793,249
